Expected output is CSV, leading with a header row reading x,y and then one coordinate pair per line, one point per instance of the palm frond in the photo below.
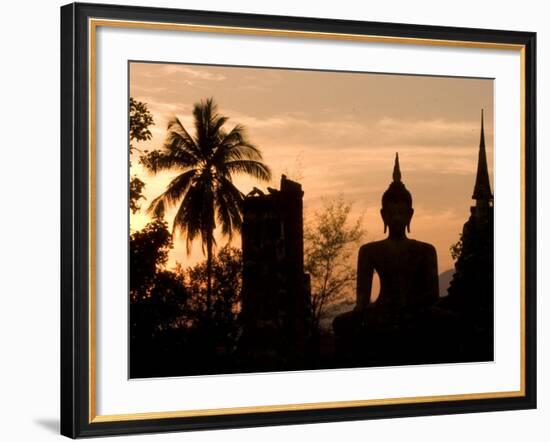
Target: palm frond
x,y
235,146
253,168
223,216
189,229
235,136
228,207
175,191
157,208
195,216
157,161
203,113
179,140
216,127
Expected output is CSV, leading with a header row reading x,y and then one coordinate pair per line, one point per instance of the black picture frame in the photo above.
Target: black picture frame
x,y
76,417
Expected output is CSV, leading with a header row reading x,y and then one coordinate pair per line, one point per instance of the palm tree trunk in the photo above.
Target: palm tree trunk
x,y
209,242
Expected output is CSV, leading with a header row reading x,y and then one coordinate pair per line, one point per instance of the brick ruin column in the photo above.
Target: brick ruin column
x,y
276,296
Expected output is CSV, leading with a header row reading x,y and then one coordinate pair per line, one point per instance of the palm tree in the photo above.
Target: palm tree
x,y
204,189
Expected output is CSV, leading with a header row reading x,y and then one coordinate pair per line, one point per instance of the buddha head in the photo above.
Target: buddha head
x,y
397,210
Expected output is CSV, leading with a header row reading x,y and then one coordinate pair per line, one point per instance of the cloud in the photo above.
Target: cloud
x,y
431,132
330,143
325,131
143,90
168,70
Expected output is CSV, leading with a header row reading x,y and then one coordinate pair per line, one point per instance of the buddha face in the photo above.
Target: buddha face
x,y
396,215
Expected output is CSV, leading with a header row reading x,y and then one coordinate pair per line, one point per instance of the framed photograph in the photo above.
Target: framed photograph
x,y
274,220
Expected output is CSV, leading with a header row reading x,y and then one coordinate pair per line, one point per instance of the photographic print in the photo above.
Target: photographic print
x,y
284,219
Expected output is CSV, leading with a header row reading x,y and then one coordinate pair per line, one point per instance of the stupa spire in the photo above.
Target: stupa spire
x,y
482,188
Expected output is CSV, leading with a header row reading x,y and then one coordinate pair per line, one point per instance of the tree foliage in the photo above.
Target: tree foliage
x,y
170,333
140,120
149,250
157,298
226,287
456,249
330,241
136,193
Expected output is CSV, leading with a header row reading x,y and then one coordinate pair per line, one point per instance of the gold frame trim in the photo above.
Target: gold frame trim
x,y
93,24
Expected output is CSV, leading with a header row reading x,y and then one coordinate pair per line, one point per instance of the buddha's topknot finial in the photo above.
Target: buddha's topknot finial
x,y
396,170
397,192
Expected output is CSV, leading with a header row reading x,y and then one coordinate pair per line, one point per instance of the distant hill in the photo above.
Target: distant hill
x,y
444,281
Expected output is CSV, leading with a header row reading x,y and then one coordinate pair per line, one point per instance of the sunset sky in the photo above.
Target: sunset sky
x,y
337,134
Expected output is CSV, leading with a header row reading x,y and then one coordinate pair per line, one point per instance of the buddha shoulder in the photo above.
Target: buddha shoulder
x,y
371,247
424,247
375,247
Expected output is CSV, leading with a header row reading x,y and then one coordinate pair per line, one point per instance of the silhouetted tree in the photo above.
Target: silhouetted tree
x,y
226,290
330,240
456,249
163,309
158,300
136,193
204,189
140,120
149,250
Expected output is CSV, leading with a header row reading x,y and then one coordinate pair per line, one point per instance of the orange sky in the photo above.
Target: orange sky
x,y
336,133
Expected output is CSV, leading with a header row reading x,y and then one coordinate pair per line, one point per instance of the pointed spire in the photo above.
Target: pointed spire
x,y
482,188
482,135
396,170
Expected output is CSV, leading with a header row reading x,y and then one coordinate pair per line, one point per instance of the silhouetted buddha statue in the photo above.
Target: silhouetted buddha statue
x,y
408,275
